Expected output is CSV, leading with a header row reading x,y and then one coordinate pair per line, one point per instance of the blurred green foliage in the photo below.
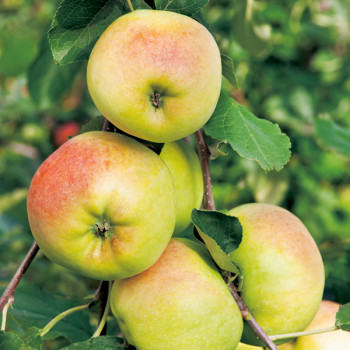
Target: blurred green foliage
x,y
292,62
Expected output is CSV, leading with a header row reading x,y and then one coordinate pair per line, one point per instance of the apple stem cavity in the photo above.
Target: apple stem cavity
x,y
156,99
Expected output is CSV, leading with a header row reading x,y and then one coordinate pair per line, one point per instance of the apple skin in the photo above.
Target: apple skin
x,y
282,269
325,318
186,171
180,303
109,180
147,52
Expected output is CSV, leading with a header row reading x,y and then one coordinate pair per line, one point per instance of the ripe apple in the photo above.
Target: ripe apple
x,y
282,269
181,303
102,205
185,168
155,75
325,317
64,131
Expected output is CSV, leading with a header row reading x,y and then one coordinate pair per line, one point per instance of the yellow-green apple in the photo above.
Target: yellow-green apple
x,y
185,168
102,205
325,318
282,269
155,74
181,303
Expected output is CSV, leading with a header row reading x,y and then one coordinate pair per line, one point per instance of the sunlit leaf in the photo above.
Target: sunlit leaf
x,y
78,24
343,317
251,137
181,6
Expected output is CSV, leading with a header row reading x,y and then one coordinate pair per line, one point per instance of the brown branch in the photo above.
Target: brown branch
x,y
248,317
11,288
204,155
209,204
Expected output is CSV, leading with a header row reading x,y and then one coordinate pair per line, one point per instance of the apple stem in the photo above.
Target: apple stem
x,y
11,288
209,204
4,313
204,155
302,334
130,5
61,316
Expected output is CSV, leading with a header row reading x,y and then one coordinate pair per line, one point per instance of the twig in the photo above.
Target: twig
x,y
209,204
248,317
11,288
204,155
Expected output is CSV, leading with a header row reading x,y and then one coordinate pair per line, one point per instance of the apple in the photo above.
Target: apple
x,y
65,131
282,269
186,171
155,74
325,318
181,303
102,205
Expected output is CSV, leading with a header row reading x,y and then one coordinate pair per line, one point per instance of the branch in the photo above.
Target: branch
x,y
204,155
11,288
248,317
209,204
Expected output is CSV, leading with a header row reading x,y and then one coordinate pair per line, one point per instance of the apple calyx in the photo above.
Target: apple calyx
x,y
156,99
102,229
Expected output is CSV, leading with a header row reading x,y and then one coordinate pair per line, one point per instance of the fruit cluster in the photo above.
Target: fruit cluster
x,y
108,207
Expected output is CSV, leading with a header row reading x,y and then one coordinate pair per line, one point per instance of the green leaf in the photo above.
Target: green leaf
x,y
35,308
78,24
342,319
33,339
47,82
253,35
93,124
181,6
251,137
227,70
221,233
99,343
10,341
333,136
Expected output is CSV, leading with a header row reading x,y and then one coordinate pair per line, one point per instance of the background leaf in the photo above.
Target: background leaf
x,y
99,343
181,6
333,136
228,71
10,341
249,31
251,137
221,233
343,317
47,82
78,24
34,307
